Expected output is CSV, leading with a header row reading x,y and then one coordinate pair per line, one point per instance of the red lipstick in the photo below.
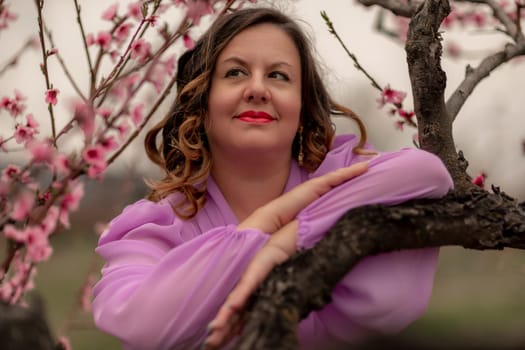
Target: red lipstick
x,y
255,117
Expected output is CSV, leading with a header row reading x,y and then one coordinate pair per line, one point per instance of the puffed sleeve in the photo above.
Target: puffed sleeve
x,y
164,281
386,292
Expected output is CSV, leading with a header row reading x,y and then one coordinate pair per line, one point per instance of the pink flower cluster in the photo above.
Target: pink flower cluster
x,y
6,17
395,98
480,180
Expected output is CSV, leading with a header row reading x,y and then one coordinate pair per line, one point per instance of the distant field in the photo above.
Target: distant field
x,y
478,299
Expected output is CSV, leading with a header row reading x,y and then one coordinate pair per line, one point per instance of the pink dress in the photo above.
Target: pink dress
x,y
165,279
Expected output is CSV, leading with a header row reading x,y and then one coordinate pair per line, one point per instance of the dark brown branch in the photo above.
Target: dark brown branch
x,y
480,220
475,75
397,7
428,80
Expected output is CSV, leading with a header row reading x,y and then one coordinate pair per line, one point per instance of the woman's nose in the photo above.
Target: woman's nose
x,y
257,91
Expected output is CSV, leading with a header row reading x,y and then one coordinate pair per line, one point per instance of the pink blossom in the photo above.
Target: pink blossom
x,y
52,52
64,343
137,115
110,13
95,171
15,234
31,122
108,143
13,106
85,117
10,172
104,112
103,40
6,17
157,77
71,200
61,164
479,19
94,155
123,129
90,39
452,49
23,205
19,96
399,125
135,11
51,96
49,223
197,9
38,248
27,132
140,49
450,19
188,42
405,114
122,32
41,151
152,20
480,180
169,65
389,95
22,133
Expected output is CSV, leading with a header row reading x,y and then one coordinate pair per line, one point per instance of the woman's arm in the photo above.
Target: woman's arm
x,y
386,292
162,282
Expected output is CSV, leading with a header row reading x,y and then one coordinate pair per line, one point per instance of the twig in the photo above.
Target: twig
x,y
332,30
64,67
167,90
16,56
475,75
86,50
39,5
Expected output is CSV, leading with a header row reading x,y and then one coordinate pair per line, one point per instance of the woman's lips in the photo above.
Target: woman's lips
x,y
255,117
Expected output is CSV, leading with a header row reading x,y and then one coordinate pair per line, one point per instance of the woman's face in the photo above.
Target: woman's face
x,y
255,95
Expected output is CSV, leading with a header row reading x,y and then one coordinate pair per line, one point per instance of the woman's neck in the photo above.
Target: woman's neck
x,y
249,184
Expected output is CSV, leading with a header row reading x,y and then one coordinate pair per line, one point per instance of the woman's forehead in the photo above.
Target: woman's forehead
x,y
264,39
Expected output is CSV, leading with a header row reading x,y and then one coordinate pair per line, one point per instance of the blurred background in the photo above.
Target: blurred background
x,y
479,297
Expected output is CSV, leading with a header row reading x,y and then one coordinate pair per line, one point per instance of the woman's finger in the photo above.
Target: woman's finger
x,y
221,330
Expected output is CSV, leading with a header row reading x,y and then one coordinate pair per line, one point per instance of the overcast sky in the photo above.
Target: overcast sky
x,y
490,128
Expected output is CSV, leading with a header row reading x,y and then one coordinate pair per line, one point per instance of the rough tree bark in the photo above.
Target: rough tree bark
x,y
468,216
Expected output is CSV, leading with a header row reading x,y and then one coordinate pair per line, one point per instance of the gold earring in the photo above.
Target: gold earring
x,y
300,156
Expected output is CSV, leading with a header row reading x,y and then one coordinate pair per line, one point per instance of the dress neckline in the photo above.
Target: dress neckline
x,y
294,178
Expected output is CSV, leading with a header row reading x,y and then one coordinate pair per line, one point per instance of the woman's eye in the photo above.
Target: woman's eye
x,y
234,72
279,75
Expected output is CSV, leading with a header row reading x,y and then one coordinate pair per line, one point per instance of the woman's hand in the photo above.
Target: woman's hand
x,y
228,321
277,213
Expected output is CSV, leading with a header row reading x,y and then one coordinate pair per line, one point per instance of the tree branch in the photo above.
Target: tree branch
x,y
479,220
474,76
398,7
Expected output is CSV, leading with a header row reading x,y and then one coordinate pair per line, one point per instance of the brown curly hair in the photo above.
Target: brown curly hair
x,y
184,153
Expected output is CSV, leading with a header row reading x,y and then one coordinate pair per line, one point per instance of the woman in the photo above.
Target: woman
x,y
253,172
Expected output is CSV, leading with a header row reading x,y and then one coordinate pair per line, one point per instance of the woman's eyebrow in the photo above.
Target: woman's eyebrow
x,y
240,61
